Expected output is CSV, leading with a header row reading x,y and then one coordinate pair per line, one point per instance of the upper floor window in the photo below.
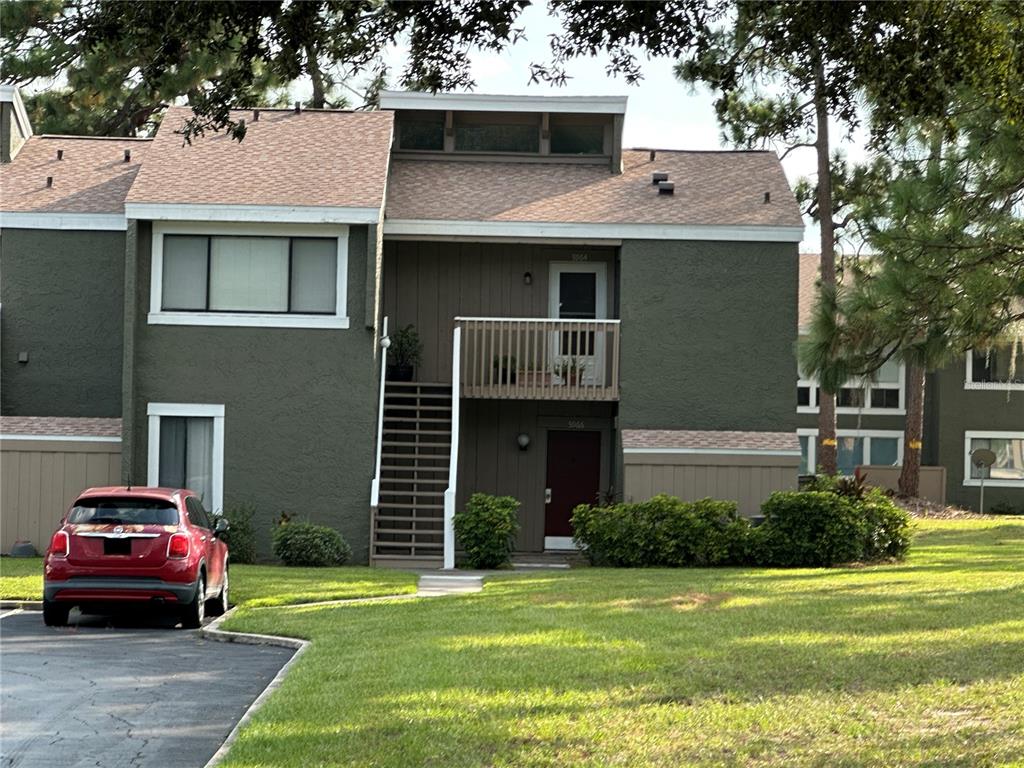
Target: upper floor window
x,y
423,131
231,277
577,135
249,274
1000,367
883,393
1008,468
497,132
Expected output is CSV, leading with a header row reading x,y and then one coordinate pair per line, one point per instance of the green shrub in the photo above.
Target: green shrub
x,y
810,528
486,529
307,544
889,527
240,536
662,531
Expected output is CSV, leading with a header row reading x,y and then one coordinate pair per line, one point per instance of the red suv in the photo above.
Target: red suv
x,y
129,546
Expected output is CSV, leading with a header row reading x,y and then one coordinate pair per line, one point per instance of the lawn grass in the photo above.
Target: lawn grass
x,y
916,664
267,585
251,585
21,578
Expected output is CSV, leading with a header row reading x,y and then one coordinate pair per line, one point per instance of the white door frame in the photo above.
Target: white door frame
x,y
600,270
204,410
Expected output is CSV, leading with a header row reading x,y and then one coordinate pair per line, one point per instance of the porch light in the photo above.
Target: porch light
x,y
523,440
527,280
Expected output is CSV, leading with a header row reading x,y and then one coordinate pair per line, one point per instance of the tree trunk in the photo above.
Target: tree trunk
x,y
826,458
316,77
910,474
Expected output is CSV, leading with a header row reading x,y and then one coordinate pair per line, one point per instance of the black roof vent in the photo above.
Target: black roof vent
x,y
659,176
666,187
255,115
49,181
127,155
767,197
654,154
60,154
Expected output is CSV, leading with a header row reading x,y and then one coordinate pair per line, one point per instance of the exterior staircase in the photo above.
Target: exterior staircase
x,y
408,523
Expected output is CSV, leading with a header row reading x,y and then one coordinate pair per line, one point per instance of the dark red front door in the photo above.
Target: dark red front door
x,y
574,475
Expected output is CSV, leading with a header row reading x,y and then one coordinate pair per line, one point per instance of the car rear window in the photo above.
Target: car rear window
x,y
100,511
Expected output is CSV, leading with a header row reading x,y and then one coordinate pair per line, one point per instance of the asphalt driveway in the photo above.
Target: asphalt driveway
x,y
107,694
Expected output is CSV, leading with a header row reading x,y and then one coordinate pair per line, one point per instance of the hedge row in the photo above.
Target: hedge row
x,y
824,526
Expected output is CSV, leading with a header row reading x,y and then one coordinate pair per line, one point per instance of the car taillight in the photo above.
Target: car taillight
x,y
59,544
178,545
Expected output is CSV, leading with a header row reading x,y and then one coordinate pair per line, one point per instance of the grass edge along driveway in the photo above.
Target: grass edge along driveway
x,y
915,664
251,585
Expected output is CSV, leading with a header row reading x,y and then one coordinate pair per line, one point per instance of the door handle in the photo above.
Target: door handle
x,y
547,495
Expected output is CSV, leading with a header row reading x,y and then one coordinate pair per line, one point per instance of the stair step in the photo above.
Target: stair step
x,y
410,531
417,456
405,505
408,544
407,519
403,492
410,444
413,420
417,431
416,396
415,480
424,407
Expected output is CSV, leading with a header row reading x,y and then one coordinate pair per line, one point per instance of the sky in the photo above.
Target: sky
x,y
662,113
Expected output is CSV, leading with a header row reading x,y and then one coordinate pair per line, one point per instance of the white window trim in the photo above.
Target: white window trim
x,y
202,410
812,446
989,483
998,386
157,316
867,385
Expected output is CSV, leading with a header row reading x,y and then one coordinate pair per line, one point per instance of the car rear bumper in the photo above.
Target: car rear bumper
x,y
117,590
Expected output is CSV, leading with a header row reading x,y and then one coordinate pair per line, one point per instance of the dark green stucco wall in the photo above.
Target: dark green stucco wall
x,y
708,334
959,411
300,405
63,297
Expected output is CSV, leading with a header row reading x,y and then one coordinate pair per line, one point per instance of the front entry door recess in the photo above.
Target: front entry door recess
x,y
574,477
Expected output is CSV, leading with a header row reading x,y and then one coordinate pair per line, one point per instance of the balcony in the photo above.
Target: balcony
x,y
537,358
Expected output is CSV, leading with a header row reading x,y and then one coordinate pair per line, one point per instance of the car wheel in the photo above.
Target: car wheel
x,y
193,614
219,605
55,614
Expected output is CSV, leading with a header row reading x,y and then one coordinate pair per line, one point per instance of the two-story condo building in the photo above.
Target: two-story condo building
x,y
595,321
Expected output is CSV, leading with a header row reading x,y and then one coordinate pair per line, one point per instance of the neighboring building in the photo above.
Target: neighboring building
x,y
228,301
976,402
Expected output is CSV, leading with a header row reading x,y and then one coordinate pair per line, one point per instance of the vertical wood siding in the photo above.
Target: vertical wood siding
x,y
746,479
40,478
428,284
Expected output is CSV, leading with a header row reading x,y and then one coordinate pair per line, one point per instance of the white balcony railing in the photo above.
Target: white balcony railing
x,y
539,358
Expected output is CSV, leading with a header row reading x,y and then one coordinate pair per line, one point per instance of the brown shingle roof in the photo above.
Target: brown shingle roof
x,y
59,426
654,439
316,158
92,177
716,188
810,264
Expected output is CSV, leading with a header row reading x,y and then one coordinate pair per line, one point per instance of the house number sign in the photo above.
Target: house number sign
x,y
581,257
577,424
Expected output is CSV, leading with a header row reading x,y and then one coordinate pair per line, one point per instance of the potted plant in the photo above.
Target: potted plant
x,y
404,353
505,369
569,369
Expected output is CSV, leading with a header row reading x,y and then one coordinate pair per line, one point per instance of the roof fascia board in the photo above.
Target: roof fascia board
x,y
714,451
114,222
584,231
464,102
291,214
12,94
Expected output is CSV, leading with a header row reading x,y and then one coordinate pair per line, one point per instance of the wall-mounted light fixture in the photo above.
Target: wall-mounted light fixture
x,y
527,278
523,440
